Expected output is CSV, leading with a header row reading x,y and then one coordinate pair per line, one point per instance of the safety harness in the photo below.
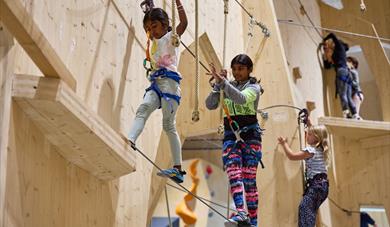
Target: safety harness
x,y
236,131
164,73
159,74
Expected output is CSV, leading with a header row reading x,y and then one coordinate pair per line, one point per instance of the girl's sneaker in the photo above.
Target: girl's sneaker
x,y
240,219
357,117
173,173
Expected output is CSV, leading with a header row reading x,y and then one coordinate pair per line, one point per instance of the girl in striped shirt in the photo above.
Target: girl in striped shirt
x,y
317,184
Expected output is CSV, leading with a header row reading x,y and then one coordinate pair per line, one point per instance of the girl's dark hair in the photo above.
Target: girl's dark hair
x,y
354,61
156,14
242,59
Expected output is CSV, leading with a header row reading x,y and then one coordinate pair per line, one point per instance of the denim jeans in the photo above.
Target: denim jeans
x,y
344,89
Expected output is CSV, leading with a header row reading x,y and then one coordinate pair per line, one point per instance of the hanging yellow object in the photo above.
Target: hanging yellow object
x,y
184,210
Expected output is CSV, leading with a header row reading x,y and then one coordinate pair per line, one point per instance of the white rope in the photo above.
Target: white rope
x,y
226,12
195,112
220,130
175,37
291,22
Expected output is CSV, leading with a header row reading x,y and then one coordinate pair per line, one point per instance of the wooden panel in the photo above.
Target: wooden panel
x,y
7,60
354,128
360,176
81,136
21,25
44,189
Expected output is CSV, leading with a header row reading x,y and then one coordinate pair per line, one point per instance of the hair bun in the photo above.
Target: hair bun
x,y
147,5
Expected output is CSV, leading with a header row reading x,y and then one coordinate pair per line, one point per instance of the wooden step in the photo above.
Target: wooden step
x,y
82,137
357,129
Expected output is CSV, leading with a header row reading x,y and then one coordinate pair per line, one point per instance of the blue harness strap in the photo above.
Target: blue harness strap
x,y
236,143
164,73
345,79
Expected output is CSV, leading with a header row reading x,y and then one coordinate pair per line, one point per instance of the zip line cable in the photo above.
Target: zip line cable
x,y
291,22
349,212
181,186
207,200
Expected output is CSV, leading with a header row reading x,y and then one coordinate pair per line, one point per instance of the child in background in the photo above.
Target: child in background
x,y
357,94
240,157
335,54
317,184
164,91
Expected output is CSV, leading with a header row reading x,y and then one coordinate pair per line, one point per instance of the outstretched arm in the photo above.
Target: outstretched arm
x,y
181,27
300,155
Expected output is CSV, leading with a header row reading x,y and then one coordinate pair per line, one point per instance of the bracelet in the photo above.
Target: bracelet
x,y
181,9
179,6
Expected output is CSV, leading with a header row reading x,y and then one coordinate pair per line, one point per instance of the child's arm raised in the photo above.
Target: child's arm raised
x,y
300,155
181,27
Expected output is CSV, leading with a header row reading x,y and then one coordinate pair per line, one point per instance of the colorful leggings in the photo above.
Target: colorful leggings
x,y
314,196
240,162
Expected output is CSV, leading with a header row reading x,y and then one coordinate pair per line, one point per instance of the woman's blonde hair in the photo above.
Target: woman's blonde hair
x,y
320,132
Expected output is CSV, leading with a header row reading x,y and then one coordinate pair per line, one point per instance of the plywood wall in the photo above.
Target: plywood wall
x,y
6,68
102,44
361,177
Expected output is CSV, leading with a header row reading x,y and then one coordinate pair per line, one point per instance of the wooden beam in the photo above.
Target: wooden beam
x,y
20,23
7,59
81,136
357,129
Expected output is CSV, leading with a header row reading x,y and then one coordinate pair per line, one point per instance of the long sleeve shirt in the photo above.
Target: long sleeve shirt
x,y
241,100
339,55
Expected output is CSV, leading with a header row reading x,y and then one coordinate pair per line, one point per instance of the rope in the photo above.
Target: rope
x,y
349,212
275,106
175,40
298,17
181,186
260,50
226,12
221,98
207,200
166,201
263,27
291,22
308,17
195,112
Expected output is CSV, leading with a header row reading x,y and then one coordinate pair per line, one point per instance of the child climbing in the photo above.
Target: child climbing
x,y
242,134
164,91
317,185
335,54
357,94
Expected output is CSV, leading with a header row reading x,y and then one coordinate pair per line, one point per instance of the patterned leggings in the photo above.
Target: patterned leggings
x,y
240,162
314,196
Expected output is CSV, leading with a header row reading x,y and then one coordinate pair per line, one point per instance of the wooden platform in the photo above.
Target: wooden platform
x,y
82,137
361,129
